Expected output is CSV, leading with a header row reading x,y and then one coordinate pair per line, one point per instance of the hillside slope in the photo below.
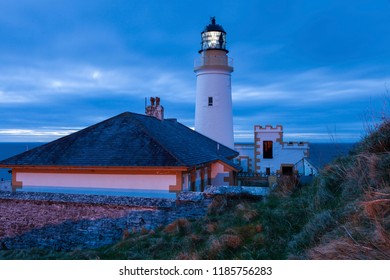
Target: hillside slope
x,y
352,203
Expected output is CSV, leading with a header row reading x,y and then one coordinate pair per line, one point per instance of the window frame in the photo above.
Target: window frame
x,y
210,101
268,149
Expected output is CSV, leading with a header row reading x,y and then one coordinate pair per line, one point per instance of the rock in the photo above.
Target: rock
x,y
190,196
237,191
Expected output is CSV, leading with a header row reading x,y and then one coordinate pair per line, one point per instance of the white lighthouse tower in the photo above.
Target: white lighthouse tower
x,y
213,109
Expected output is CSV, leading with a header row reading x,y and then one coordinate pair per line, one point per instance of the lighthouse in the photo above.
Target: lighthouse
x,y
213,108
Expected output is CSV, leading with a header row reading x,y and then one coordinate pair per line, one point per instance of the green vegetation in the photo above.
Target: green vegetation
x,y
344,214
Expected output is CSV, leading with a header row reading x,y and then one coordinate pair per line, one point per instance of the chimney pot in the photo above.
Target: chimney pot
x,y
155,109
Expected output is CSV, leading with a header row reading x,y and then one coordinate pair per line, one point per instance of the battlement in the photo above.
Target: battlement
x,y
268,128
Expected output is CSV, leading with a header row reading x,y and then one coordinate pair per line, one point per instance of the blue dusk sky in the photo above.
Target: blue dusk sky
x,y
319,68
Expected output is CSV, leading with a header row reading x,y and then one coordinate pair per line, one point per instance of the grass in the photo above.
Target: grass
x,y
344,214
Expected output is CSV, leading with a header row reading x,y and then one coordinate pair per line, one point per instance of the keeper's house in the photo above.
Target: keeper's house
x,y
127,152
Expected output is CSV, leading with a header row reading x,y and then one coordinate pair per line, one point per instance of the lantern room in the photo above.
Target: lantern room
x,y
213,37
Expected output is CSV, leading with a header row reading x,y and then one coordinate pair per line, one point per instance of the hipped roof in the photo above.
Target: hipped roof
x,y
128,139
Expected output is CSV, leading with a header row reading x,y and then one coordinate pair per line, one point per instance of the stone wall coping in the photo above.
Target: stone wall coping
x,y
237,190
160,203
92,199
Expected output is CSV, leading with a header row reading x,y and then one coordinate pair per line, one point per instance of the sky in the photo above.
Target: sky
x,y
319,68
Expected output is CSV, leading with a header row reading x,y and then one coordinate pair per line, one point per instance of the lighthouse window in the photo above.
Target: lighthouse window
x,y
267,149
210,101
213,40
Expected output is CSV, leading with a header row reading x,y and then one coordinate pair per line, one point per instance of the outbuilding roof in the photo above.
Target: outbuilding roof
x,y
128,139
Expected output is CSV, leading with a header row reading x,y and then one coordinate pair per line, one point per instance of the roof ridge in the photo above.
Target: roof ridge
x,y
146,131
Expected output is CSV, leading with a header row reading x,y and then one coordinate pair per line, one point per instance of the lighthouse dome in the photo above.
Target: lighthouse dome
x,y
214,27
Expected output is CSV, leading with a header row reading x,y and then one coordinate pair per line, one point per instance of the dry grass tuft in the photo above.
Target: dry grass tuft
x,y
339,249
187,256
258,240
231,231
215,248
259,228
378,141
211,228
195,238
346,249
286,185
241,207
377,208
246,212
125,234
218,205
231,241
180,226
250,215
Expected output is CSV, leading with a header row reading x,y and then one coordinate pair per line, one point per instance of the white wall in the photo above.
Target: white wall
x,y
306,168
214,80
149,182
283,152
218,175
280,156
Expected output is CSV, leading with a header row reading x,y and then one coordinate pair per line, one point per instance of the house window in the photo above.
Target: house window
x,y
267,149
244,164
210,101
268,171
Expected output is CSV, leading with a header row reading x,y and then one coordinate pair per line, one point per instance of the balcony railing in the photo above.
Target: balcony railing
x,y
214,60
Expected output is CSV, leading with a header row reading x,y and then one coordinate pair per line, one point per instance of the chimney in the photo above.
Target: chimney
x,y
155,109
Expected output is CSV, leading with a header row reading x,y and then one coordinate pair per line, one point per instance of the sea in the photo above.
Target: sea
x,y
320,155
9,149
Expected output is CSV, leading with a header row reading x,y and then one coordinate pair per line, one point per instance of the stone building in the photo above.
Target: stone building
x,y
270,154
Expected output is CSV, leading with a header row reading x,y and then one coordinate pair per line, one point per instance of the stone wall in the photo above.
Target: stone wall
x,y
70,221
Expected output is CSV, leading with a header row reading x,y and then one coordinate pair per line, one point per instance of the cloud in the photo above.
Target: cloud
x,y
316,87
37,135
57,80
323,137
56,131
12,98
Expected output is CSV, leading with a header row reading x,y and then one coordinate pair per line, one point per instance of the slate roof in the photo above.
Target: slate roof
x,y
128,139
